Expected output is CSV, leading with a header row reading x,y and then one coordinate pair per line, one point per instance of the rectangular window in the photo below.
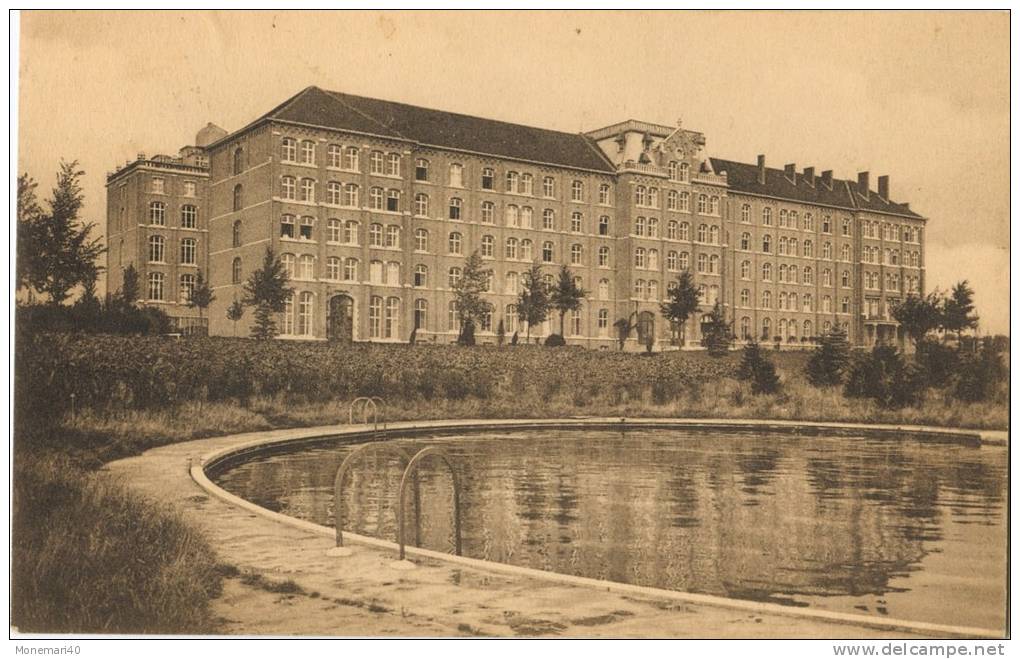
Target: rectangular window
x,y
158,186
189,189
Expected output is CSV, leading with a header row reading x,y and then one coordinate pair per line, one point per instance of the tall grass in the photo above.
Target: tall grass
x,y
90,557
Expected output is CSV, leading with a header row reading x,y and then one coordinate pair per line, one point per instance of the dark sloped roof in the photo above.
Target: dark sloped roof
x,y
437,128
743,177
875,203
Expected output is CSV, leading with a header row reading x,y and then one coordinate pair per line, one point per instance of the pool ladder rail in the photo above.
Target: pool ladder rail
x,y
365,402
409,478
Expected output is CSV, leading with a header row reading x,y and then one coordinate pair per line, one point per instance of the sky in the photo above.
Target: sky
x,y
920,96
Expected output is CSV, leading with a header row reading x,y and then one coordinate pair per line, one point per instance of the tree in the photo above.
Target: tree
x,y
29,214
234,313
829,361
716,333
130,290
919,315
201,295
533,300
624,326
566,295
500,333
267,290
467,295
57,252
683,301
958,311
757,368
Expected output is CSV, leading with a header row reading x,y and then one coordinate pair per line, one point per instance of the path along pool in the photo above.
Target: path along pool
x,y
871,525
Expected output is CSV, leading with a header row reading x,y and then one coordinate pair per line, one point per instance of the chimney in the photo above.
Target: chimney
x,y
862,185
141,156
809,176
761,169
827,178
791,172
883,187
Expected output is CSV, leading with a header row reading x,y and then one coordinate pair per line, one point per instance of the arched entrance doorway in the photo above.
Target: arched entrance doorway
x,y
340,319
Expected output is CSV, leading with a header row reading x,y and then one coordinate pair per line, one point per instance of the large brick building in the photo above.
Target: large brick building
x,y
373,206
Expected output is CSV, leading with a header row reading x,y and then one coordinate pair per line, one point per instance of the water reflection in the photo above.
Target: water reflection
x,y
848,523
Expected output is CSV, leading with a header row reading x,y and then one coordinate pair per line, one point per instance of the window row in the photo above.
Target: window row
x,y
888,256
891,232
157,185
157,287
790,219
188,217
786,330
188,250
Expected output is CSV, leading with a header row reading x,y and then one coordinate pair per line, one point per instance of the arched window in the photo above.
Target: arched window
x,y
421,275
350,269
307,189
511,215
526,217
421,169
745,241
375,235
703,204
685,261
189,216
766,243
333,267
512,280
488,176
671,261
456,175
236,234
238,160
576,254
604,225
603,256
766,216
421,204
421,240
393,235
488,247
307,152
455,207
672,200
156,284
548,219
454,276
766,272
512,181
288,187
639,257
488,212
189,249
334,156
511,248
702,233
713,234
455,243
527,184
685,231
375,306
350,195
288,149
577,191
157,213
603,289
351,232
653,259
653,227
306,305
576,222
334,192
527,250
702,262
745,213
157,249
547,252
421,314
745,270
766,299
393,273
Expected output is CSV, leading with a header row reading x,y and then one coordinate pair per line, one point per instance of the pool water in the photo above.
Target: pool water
x,y
879,526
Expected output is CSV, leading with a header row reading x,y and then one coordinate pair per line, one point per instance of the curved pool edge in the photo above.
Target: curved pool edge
x,y
245,447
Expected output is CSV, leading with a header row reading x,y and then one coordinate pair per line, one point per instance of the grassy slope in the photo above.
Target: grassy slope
x,y
76,565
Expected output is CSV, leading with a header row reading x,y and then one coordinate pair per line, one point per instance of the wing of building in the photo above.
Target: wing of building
x,y
373,207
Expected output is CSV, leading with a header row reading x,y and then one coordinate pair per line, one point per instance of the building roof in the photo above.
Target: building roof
x,y
743,177
336,110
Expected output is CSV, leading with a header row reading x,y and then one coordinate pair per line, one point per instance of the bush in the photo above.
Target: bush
x,y
111,318
883,376
829,361
757,368
937,361
979,375
555,340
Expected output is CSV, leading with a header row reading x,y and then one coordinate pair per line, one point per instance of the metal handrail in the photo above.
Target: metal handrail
x,y
365,401
338,484
412,468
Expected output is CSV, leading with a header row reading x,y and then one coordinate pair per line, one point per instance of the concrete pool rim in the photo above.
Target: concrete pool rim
x,y
246,448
